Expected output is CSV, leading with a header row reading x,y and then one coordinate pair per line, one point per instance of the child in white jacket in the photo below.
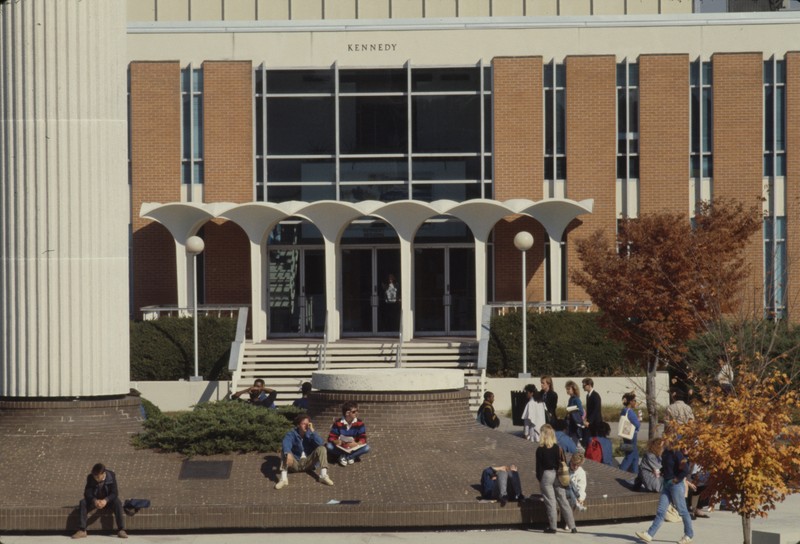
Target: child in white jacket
x,y
576,493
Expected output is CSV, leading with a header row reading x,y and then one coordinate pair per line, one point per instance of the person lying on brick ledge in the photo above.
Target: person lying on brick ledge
x,y
101,492
347,439
302,451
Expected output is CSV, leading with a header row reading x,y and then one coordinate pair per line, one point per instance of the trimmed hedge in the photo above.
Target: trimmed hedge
x,y
217,427
559,344
163,349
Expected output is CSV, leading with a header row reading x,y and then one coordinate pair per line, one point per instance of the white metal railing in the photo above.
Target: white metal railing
x,y
237,346
150,313
323,347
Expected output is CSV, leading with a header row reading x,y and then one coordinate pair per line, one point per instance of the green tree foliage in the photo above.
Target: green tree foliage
x,y
559,344
162,349
217,427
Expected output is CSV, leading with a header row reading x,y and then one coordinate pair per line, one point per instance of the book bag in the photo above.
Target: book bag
x,y
595,451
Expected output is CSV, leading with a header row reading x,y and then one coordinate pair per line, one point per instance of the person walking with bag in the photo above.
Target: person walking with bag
x,y
549,457
631,461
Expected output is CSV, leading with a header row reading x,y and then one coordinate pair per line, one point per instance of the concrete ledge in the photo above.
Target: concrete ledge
x,y
784,536
388,379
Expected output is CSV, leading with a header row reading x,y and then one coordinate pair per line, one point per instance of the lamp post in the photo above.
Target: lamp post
x,y
523,241
194,247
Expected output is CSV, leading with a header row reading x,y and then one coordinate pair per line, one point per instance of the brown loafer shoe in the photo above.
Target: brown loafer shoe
x,y
122,533
80,534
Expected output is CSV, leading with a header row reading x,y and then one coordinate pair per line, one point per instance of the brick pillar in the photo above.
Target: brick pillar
x,y
591,150
155,128
793,183
738,150
664,134
518,170
228,158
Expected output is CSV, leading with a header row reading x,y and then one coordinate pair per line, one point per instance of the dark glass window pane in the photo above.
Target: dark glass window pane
x,y
633,170
780,118
487,168
548,122
197,80
299,81
259,106
446,168
633,75
548,168
708,166
198,172
384,193
459,192
300,126
488,191
780,72
197,131
768,77
707,73
487,124
768,169
260,192
561,122
694,166
769,125
547,77
185,80
561,168
694,73
633,110
695,105
446,124
259,79
376,232
186,172
708,120
622,163
374,124
622,110
372,81
445,79
259,170
561,75
633,145
780,165
621,74
373,169
487,79
293,233
187,126
300,170
306,193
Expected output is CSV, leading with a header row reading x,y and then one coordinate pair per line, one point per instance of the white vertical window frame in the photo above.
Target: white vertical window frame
x,y
260,125
701,158
627,186
774,145
192,148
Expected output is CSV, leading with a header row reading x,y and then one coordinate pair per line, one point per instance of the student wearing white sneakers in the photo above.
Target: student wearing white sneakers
x,y
675,469
301,451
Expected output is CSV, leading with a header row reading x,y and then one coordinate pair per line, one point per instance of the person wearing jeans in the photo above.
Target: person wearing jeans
x,y
548,459
675,469
101,492
495,482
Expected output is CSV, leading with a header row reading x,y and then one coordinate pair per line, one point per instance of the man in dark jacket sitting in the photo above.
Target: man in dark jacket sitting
x,y
486,415
101,492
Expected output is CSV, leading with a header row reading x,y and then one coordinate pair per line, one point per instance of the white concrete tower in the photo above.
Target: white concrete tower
x,y
63,199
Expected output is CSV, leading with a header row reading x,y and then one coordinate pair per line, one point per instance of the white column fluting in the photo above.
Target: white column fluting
x,y
63,199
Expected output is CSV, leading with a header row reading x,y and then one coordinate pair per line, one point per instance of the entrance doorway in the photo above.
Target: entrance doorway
x,y
296,292
371,291
444,291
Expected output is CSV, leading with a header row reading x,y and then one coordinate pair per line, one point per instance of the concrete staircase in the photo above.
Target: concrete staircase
x,y
284,365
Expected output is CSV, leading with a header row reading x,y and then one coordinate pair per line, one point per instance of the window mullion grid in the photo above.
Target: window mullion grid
x,y
409,131
481,96
337,149
264,132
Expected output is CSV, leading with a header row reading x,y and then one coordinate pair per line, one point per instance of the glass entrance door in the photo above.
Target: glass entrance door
x,y
296,292
444,291
370,291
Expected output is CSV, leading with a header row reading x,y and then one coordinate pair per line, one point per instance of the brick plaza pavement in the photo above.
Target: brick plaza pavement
x,y
415,477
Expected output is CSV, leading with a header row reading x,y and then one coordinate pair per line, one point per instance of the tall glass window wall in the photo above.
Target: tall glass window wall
x,y
555,130
627,139
373,134
701,158
774,183
191,125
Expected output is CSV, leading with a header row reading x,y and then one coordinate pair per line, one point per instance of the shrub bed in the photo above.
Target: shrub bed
x,y
163,349
559,344
217,427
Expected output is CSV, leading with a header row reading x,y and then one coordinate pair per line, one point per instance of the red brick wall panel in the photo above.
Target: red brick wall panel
x,y
738,150
155,126
591,150
227,264
664,134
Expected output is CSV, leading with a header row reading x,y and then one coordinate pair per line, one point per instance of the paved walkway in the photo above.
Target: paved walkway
x,y
720,528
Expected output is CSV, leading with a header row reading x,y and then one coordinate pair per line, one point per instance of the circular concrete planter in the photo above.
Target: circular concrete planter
x,y
388,379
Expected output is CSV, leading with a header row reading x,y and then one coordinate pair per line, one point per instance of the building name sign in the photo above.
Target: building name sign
x,y
364,47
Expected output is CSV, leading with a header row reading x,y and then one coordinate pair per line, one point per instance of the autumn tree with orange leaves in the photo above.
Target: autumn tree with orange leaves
x,y
745,440
661,279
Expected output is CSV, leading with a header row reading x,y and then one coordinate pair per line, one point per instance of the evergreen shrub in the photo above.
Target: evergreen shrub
x,y
216,428
559,344
163,349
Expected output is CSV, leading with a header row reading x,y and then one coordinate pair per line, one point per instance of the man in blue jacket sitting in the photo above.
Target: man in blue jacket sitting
x,y
101,492
301,451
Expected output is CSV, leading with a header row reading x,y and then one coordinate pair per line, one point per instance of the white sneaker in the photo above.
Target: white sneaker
x,y
281,484
343,461
685,540
325,480
644,535
351,461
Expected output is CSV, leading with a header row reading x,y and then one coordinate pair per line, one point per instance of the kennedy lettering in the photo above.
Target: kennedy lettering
x,y
357,47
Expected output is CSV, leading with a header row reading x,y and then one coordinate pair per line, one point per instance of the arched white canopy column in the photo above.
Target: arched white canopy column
x,y
182,220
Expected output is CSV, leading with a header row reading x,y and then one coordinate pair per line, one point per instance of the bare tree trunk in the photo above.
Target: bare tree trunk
x,y
746,528
650,396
